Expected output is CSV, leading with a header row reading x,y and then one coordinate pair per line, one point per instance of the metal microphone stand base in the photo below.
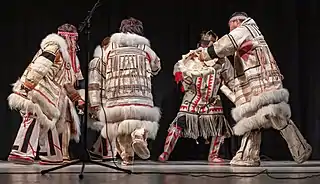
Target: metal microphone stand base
x,y
84,162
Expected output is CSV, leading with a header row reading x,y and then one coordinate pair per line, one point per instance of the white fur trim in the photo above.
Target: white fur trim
x,y
120,113
17,102
126,127
260,119
110,131
62,44
61,124
95,125
266,98
76,121
98,52
68,109
128,39
46,113
47,108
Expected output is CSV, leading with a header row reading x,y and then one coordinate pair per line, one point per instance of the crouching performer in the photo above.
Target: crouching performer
x,y
201,112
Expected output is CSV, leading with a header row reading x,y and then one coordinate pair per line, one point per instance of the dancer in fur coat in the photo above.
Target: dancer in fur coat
x,y
129,112
103,148
201,112
258,93
42,94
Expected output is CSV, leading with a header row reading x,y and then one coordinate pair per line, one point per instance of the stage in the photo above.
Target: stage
x,y
148,172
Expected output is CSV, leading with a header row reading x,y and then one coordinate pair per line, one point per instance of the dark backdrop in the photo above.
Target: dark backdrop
x,y
173,27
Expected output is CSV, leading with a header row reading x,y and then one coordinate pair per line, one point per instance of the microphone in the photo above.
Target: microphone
x,y
77,48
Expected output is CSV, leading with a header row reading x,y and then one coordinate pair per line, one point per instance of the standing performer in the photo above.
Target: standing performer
x,y
129,111
40,95
97,98
201,112
260,99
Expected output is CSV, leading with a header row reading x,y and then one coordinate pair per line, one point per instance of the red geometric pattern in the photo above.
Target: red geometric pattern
x,y
210,87
198,97
245,50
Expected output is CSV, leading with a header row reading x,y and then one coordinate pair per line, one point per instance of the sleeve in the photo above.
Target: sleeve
x,y
226,45
72,93
80,84
228,92
181,74
155,63
227,72
79,73
95,79
177,73
41,65
227,75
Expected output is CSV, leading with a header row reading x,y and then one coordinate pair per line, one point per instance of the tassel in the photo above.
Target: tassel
x,y
182,88
178,77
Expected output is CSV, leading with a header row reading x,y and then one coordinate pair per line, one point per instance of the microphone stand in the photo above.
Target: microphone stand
x,y
85,158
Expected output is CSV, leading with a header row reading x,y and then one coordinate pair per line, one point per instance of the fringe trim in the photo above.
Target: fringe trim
x,y
76,122
95,125
206,126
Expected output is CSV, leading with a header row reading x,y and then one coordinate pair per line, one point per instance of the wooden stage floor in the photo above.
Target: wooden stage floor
x,y
148,172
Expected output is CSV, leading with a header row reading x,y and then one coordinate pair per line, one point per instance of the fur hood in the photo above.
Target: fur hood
x,y
128,39
62,44
98,52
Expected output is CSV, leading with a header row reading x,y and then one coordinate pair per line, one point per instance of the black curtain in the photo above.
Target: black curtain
x,y
173,28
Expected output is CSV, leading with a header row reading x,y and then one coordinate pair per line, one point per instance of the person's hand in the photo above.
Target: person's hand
x,y
198,50
193,54
201,57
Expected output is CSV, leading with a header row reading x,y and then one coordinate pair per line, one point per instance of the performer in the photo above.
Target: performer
x,y
201,112
41,95
97,97
260,99
129,111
